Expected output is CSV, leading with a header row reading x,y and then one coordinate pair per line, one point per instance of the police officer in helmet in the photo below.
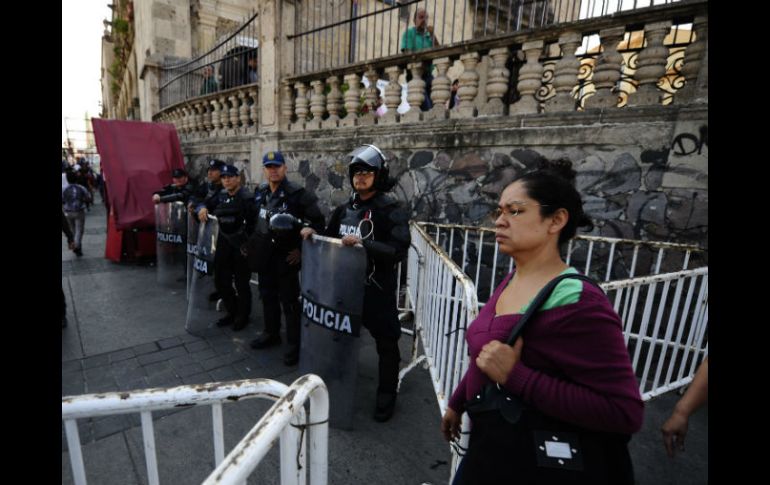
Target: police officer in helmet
x,y
236,213
280,200
381,225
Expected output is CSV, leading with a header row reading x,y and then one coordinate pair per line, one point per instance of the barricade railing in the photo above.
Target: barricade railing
x,y
668,338
475,251
286,418
444,303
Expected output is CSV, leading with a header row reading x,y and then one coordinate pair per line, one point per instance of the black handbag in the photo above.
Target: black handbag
x,y
512,442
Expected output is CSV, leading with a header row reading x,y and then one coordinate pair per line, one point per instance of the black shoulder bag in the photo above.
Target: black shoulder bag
x,y
512,442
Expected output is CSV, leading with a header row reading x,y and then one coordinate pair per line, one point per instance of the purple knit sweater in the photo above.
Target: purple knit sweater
x,y
574,364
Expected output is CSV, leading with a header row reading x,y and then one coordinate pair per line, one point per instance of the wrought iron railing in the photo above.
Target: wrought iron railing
x,y
330,35
231,63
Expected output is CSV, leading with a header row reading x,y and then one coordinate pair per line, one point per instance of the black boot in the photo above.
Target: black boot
x,y
386,404
225,321
292,356
265,340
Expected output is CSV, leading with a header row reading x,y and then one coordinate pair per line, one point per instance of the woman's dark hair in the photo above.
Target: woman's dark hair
x,y
552,184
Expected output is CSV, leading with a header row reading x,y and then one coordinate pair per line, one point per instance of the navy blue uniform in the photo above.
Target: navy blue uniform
x,y
237,217
172,193
385,234
279,280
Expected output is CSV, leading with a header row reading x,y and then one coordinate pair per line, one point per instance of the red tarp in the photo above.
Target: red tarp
x,y
136,159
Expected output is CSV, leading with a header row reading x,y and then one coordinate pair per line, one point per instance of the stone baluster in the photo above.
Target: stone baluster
x,y
301,106
317,104
372,95
254,108
185,120
530,79
415,93
607,70
243,110
199,111
234,115
352,100
216,114
224,114
200,115
497,82
287,105
439,91
207,124
392,95
469,87
565,74
651,65
693,56
333,103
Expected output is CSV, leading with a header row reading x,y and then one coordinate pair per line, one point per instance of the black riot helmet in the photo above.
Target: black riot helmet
x,y
370,156
284,227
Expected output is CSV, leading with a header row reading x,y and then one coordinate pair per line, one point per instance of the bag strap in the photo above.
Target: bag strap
x,y
541,297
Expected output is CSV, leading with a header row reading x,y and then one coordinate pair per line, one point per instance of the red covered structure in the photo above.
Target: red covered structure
x,y
136,159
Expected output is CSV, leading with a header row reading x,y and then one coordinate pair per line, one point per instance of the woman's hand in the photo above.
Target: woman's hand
x,y
450,425
497,359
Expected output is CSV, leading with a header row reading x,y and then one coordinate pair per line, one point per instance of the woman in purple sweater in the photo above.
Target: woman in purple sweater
x,y
570,367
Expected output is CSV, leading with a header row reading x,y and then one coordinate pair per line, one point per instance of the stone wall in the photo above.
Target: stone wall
x,y
642,172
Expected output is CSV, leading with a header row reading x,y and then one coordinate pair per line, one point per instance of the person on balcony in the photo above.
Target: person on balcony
x,y
418,38
209,84
253,67
569,369
380,224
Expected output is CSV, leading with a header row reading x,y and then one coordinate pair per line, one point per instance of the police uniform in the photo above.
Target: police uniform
x,y
385,247
383,225
279,280
173,193
206,190
236,215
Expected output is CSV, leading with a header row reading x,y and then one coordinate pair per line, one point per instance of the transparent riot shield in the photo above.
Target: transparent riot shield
x,y
332,282
170,243
192,248
201,313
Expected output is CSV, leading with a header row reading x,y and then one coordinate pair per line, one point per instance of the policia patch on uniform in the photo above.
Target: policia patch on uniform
x,y
330,318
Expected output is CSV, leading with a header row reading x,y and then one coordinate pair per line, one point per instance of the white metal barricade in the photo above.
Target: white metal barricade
x,y
475,251
286,418
667,338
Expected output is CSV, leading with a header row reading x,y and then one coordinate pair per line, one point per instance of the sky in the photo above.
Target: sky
x,y
81,90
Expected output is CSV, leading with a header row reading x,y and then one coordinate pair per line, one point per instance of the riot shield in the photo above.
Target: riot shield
x,y
201,313
170,242
332,281
192,248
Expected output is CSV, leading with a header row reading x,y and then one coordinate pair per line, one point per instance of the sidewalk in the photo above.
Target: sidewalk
x,y
126,332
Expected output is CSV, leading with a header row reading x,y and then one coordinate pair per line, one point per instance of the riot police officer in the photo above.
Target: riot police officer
x,y
235,210
180,189
208,189
279,258
205,192
381,225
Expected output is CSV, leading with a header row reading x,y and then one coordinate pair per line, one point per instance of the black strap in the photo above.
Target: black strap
x,y
541,297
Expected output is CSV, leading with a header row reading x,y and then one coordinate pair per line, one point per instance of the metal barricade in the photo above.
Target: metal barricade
x,y
444,304
286,418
